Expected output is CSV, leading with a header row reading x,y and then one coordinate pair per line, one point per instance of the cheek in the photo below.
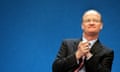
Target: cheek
x,y
99,26
85,25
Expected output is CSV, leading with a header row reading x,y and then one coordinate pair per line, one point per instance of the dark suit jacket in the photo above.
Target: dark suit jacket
x,y
101,61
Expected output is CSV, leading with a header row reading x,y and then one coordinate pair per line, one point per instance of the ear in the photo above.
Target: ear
x,y
101,27
82,27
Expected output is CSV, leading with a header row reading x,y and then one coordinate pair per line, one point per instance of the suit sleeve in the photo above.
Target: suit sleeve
x,y
101,64
63,61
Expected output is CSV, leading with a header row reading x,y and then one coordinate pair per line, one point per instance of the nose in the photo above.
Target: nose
x,y
91,22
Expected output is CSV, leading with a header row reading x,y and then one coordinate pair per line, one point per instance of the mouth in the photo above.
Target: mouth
x,y
91,27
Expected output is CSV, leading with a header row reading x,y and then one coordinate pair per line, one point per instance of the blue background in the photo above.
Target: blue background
x,y
31,31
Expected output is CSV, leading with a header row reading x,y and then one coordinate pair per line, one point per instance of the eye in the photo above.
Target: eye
x,y
87,20
95,20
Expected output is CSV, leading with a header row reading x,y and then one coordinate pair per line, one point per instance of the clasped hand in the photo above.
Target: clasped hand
x,y
83,50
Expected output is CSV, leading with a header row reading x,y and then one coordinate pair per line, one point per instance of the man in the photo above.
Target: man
x,y
86,54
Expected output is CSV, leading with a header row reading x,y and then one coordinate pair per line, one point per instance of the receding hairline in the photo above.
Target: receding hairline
x,y
92,11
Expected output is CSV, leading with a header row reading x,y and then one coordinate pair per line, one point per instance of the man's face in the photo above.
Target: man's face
x,y
92,23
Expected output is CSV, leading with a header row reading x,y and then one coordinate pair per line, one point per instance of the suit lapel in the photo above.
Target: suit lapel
x,y
96,47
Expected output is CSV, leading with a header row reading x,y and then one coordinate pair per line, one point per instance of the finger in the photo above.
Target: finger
x,y
86,45
80,44
86,48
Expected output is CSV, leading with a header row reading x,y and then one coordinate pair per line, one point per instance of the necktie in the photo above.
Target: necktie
x,y
80,65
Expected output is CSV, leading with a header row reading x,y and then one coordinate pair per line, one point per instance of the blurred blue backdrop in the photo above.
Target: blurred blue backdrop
x,y
31,31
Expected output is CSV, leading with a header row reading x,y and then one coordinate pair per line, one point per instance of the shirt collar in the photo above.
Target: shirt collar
x,y
92,42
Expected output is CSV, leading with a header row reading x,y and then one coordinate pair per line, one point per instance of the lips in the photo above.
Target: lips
x,y
91,27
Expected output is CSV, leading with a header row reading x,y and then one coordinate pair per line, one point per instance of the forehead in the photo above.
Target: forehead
x,y
91,14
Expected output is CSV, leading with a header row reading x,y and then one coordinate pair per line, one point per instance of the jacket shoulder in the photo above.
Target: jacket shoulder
x,y
107,49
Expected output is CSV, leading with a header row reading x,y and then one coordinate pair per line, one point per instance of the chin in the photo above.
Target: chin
x,y
92,33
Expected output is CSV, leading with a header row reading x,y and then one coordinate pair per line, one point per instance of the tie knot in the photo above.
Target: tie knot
x,y
89,45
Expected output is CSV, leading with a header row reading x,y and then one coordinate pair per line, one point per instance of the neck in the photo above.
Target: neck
x,y
90,37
